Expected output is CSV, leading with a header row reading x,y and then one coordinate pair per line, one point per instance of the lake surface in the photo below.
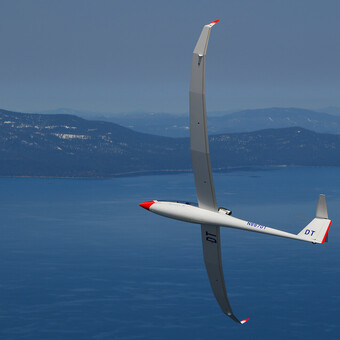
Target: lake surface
x,y
81,260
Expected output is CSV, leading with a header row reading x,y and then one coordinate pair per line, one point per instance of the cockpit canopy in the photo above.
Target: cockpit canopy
x,y
183,202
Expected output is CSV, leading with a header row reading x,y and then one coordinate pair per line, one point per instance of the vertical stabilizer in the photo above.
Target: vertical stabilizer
x,y
321,208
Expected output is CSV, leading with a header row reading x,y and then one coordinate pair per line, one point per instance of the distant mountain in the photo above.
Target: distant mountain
x,y
274,118
171,125
333,110
69,146
66,145
162,124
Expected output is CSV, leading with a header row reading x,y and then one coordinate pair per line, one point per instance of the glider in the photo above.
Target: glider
x,y
207,214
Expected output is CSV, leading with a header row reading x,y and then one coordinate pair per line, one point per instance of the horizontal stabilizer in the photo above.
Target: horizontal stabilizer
x,y
317,230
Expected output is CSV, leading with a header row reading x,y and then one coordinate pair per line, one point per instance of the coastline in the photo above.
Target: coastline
x,y
140,173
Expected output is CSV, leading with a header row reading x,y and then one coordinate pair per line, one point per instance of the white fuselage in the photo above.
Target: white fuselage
x,y
189,213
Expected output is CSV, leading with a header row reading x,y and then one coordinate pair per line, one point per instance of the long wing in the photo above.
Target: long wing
x,y
198,126
213,263
202,171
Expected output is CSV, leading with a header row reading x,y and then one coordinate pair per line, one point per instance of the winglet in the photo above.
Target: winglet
x,y
213,23
232,316
244,321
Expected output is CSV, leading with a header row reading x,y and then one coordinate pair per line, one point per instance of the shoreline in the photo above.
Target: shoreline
x,y
172,172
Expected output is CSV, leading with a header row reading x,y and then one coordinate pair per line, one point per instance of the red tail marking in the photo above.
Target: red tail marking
x,y
324,238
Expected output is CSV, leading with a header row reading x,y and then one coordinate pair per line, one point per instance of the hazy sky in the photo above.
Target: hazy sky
x,y
121,56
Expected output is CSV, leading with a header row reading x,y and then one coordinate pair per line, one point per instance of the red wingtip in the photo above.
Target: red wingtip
x,y
324,238
147,205
244,321
214,22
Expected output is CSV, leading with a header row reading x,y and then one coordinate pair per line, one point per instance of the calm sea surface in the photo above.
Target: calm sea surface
x,y
79,259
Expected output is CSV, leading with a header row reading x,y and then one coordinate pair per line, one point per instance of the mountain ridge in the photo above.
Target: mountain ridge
x,y
177,125
69,146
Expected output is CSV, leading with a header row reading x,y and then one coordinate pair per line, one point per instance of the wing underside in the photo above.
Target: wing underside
x,y
213,263
206,197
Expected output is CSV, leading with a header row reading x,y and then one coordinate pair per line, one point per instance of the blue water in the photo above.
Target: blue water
x,y
79,259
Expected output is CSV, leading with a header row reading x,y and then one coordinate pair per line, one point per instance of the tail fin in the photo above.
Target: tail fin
x,y
317,230
321,208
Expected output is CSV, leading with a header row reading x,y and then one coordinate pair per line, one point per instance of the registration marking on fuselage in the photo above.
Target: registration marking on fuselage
x,y
255,225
